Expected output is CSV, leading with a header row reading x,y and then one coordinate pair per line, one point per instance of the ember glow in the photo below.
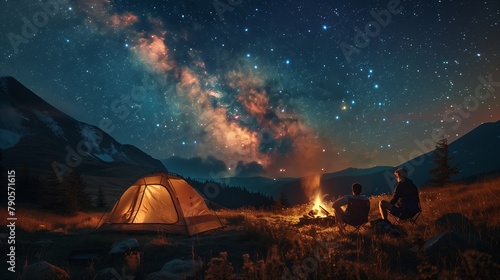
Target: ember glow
x,y
319,209
312,189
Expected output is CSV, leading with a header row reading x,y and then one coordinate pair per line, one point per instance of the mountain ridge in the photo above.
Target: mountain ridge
x,y
49,139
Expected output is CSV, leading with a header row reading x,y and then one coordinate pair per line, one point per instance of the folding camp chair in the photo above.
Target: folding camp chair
x,y
409,215
356,214
412,219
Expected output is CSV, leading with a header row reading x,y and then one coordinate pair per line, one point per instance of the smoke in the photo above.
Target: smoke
x,y
311,186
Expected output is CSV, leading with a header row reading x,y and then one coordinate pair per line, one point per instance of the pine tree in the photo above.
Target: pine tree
x,y
443,172
69,197
66,197
27,187
52,196
284,200
76,186
281,203
101,199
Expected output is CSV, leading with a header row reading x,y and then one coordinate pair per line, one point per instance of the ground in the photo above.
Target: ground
x,y
257,244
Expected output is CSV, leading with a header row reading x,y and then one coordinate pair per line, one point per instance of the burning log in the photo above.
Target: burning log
x,y
324,210
318,215
320,221
313,213
314,217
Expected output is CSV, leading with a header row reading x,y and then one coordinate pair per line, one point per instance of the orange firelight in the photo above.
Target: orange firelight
x,y
319,209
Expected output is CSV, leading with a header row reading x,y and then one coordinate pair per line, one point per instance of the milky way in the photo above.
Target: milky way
x,y
298,87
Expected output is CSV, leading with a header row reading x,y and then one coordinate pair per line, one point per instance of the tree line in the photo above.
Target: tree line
x,y
63,197
231,197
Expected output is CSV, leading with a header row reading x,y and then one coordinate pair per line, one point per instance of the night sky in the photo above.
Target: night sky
x,y
295,86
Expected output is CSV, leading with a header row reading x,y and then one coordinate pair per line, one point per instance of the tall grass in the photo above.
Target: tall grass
x,y
310,251
33,220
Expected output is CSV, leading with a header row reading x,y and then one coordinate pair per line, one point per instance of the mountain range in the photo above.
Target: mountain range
x,y
38,137
476,153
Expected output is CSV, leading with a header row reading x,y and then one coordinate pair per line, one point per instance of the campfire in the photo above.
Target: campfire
x,y
318,215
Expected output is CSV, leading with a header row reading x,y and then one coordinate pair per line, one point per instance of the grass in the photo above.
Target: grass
x,y
259,244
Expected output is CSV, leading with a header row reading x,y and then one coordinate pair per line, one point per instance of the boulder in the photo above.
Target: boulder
x,y
126,254
43,270
176,270
112,273
447,246
122,247
381,226
454,221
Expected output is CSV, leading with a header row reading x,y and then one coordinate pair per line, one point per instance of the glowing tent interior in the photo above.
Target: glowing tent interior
x,y
161,202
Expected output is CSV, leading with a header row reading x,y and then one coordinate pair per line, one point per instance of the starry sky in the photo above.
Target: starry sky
x,y
291,87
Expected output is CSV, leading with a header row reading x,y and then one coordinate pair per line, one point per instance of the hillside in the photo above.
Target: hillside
x,y
262,244
39,138
476,154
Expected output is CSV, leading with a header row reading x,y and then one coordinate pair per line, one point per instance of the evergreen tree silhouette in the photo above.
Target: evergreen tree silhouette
x,y
76,186
282,202
52,194
442,173
101,199
66,197
27,187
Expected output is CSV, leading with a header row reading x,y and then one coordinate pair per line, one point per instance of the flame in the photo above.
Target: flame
x,y
312,189
317,211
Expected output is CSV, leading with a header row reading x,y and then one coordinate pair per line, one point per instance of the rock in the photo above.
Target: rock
x,y
43,270
454,221
126,254
43,243
176,270
446,246
385,227
112,273
158,276
125,246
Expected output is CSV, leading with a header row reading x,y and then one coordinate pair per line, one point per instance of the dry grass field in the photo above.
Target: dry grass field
x,y
259,244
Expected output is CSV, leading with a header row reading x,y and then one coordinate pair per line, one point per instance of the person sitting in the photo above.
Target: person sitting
x,y
356,212
405,202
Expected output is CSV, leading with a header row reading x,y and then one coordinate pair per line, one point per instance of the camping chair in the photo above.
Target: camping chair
x,y
356,214
411,215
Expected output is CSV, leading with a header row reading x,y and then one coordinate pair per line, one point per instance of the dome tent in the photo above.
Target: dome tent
x,y
161,202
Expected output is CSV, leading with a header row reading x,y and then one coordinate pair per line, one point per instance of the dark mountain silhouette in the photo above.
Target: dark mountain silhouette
x,y
220,194
337,184
35,137
476,153
38,137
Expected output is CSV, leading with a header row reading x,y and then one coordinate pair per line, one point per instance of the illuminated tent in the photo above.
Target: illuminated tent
x,y
161,202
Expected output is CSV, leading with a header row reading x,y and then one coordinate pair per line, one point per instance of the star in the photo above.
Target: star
x,y
223,89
